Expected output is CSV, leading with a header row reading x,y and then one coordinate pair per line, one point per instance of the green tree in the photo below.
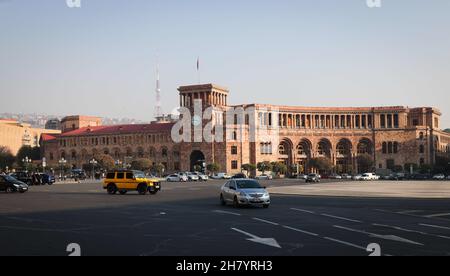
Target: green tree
x,y
141,164
264,167
447,130
248,168
213,168
105,161
6,158
279,168
425,168
33,153
365,163
322,164
159,169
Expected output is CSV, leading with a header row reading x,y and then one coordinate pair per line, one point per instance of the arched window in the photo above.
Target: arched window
x,y
320,150
390,147
395,147
301,150
164,152
341,149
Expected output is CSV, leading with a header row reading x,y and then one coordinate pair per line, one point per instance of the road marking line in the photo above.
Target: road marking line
x,y
301,231
341,218
345,243
411,231
226,212
265,241
266,221
409,212
438,215
434,226
385,237
304,211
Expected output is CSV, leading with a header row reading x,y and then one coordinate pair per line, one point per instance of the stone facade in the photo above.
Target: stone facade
x,y
14,135
392,136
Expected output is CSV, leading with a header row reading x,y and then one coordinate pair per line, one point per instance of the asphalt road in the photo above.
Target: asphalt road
x,y
187,220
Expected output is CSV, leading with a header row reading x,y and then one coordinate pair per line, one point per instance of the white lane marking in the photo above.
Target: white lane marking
x,y
345,243
409,212
385,237
341,218
266,241
266,221
226,212
434,226
410,231
438,215
301,210
301,231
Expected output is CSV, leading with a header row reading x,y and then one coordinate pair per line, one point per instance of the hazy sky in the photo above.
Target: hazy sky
x,y
100,59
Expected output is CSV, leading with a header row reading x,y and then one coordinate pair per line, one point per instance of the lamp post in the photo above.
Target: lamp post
x,y
26,161
93,162
62,162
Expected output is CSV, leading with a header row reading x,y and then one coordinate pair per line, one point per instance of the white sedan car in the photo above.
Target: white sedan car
x,y
177,178
221,176
264,177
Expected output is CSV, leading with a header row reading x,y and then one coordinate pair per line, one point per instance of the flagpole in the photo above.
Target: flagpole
x,y
198,70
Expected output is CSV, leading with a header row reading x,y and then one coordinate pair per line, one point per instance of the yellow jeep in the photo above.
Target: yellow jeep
x,y
123,181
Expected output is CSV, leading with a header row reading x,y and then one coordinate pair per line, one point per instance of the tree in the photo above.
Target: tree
x,y
6,158
264,167
365,163
141,164
159,169
105,161
28,151
322,164
279,168
249,168
197,168
213,168
425,168
447,130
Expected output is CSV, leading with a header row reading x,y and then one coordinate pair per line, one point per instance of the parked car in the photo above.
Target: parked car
x,y
264,177
335,176
244,192
302,176
202,176
313,178
346,176
10,184
192,177
23,177
221,176
369,176
177,178
448,177
239,176
439,177
78,174
357,177
123,181
422,177
47,179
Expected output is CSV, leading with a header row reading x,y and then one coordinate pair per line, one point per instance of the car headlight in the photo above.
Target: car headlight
x,y
242,194
266,195
16,186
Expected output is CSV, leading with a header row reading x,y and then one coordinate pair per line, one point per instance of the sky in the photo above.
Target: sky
x,y
100,59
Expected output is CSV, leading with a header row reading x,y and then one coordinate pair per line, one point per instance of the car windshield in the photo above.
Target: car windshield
x,y
139,174
248,184
10,178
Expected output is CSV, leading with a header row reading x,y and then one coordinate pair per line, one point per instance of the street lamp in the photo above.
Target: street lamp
x,y
93,162
62,162
26,161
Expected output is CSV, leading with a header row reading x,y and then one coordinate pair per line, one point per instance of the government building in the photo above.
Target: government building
x,y
393,137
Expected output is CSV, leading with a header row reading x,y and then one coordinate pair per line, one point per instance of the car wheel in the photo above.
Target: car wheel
x,y
222,201
154,192
123,192
112,189
142,189
9,190
236,202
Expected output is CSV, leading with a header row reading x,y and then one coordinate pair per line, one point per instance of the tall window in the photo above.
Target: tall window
x,y
234,150
390,147
234,165
384,148
281,150
395,147
422,149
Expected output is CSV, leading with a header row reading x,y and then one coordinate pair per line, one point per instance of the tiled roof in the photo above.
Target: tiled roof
x,y
48,137
120,129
